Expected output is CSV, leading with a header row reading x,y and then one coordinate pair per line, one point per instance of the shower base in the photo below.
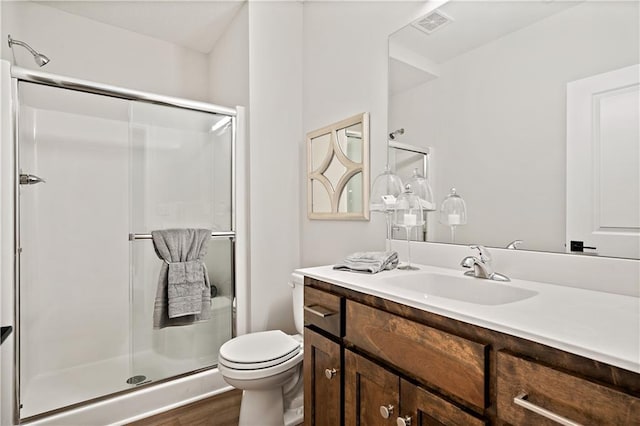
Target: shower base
x,y
70,386
176,353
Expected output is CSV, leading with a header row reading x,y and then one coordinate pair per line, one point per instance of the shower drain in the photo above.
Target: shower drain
x,y
136,380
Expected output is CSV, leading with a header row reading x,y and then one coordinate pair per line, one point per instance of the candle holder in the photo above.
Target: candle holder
x,y
420,186
408,214
386,187
453,212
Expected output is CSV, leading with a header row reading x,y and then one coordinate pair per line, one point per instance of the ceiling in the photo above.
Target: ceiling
x,y
475,23
417,56
195,25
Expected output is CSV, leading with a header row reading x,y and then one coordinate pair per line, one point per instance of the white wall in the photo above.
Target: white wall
x,y
229,85
345,73
496,118
86,49
275,111
229,63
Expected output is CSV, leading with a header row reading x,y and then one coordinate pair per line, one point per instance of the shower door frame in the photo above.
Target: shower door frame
x,y
69,83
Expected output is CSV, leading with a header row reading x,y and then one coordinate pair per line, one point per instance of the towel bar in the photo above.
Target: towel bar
x,y
215,234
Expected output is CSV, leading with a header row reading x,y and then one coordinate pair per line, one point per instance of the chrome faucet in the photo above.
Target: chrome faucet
x,y
514,245
482,267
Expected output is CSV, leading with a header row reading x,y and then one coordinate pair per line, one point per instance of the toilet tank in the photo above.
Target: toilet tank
x,y
297,287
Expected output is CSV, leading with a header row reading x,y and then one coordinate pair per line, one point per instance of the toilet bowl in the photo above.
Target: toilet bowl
x,y
267,365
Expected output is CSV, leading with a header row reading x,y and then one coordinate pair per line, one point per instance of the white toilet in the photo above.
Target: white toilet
x,y
267,366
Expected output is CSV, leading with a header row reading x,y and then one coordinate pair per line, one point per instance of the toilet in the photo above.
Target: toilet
x,y
267,366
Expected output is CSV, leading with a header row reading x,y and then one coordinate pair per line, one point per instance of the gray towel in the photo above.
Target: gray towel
x,y
369,261
184,291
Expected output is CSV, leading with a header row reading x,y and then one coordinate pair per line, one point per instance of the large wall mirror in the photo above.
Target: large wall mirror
x,y
531,111
338,170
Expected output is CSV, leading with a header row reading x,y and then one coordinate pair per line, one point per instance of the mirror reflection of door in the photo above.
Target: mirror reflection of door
x,y
338,174
603,163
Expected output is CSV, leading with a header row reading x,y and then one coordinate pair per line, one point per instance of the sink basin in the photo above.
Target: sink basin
x,y
460,288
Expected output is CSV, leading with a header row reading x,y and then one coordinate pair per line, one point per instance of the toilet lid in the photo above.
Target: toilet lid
x,y
259,350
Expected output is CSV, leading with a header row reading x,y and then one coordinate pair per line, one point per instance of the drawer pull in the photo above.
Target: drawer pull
x,y
330,372
320,311
386,411
521,400
404,421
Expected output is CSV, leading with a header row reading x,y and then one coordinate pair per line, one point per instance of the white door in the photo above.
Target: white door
x,y
603,163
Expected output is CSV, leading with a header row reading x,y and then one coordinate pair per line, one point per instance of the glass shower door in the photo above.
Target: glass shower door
x,y
74,254
95,170
181,177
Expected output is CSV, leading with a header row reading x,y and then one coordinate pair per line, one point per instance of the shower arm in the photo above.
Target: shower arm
x,y
41,60
12,41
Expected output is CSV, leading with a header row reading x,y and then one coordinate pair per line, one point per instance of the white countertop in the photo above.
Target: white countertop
x,y
597,325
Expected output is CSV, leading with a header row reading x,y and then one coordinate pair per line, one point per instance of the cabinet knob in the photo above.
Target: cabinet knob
x,y
404,421
330,372
386,411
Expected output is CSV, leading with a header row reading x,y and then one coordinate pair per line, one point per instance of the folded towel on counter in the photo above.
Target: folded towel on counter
x,y
369,261
184,291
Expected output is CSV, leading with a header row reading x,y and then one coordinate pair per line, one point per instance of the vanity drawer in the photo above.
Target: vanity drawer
x,y
323,310
456,365
523,382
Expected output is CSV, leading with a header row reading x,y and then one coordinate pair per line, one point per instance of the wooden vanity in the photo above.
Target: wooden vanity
x,y
372,361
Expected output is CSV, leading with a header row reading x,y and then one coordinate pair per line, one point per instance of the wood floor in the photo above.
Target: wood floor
x,y
219,410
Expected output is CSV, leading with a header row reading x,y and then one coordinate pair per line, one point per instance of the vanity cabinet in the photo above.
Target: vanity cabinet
x,y
395,364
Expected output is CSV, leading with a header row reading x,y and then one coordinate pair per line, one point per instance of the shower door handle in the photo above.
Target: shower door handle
x,y
6,331
26,179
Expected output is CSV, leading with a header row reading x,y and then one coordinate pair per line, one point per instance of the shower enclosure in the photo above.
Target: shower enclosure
x,y
98,168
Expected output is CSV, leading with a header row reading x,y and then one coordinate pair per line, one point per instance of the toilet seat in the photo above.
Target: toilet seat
x,y
260,374
256,351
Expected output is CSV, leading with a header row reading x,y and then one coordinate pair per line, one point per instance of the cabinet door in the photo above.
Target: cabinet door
x,y
371,393
419,407
322,377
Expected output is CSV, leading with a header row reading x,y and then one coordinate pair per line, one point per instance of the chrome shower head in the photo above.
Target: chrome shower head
x,y
40,59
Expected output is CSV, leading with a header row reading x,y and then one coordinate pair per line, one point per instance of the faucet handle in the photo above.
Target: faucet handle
x,y
484,254
514,245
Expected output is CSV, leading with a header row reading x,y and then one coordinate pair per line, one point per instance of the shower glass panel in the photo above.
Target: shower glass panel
x,y
181,178
74,260
113,168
